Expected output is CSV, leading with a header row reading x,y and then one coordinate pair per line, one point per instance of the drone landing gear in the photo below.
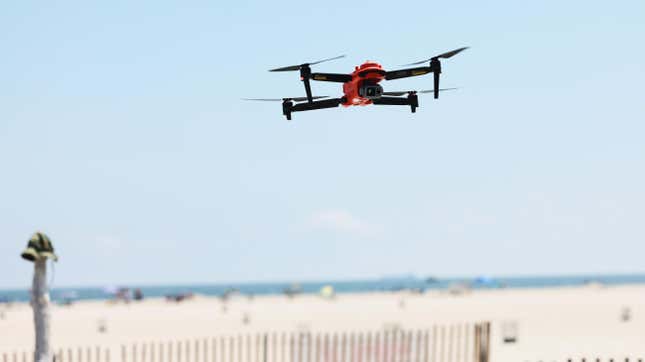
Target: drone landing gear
x,y
286,109
288,106
411,100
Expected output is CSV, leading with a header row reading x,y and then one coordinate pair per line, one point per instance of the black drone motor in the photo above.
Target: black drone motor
x,y
286,108
414,101
435,65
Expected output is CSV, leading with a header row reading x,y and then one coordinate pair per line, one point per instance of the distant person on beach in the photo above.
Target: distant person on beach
x,y
138,294
179,297
626,314
122,294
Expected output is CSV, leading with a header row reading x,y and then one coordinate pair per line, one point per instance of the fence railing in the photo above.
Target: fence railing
x,y
598,359
441,343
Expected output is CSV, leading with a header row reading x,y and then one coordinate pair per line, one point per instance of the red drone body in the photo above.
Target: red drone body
x,y
361,87
370,72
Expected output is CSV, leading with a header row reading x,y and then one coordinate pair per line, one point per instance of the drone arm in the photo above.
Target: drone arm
x,y
306,106
405,73
288,106
331,77
411,100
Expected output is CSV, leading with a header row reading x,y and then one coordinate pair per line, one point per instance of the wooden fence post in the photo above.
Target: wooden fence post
x,y
213,350
376,347
283,347
258,342
397,343
442,337
477,342
486,342
386,342
274,347
426,346
466,341
252,347
390,356
318,348
458,343
205,348
231,348
335,347
343,347
417,347
222,349
387,347
196,350
451,335
408,347
240,347
292,348
368,347
435,344
187,348
310,347
360,347
266,348
326,354
352,347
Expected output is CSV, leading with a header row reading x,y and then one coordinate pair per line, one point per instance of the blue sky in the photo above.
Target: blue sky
x,y
122,135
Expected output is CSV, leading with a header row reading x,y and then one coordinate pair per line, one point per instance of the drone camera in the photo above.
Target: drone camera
x,y
371,91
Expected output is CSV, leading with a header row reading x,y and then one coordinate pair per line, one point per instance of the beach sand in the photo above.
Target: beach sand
x,y
551,324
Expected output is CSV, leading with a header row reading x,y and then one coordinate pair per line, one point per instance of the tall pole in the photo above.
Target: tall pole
x,y
38,250
40,305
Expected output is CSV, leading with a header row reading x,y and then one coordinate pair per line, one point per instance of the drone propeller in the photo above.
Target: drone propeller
x,y
295,99
445,55
401,93
435,66
298,67
305,73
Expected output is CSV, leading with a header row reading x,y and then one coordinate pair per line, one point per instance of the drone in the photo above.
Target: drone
x,y
361,87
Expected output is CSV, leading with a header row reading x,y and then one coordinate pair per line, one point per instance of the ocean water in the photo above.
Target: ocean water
x,y
357,286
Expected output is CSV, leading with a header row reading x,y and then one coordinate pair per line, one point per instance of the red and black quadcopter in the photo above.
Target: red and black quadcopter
x,y
361,87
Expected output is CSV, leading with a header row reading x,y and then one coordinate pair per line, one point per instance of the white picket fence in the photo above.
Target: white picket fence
x,y
442,343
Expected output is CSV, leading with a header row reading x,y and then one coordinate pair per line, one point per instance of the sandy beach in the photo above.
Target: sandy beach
x,y
550,324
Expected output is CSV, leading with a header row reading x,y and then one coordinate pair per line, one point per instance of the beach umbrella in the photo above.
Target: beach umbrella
x,y
327,292
484,280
